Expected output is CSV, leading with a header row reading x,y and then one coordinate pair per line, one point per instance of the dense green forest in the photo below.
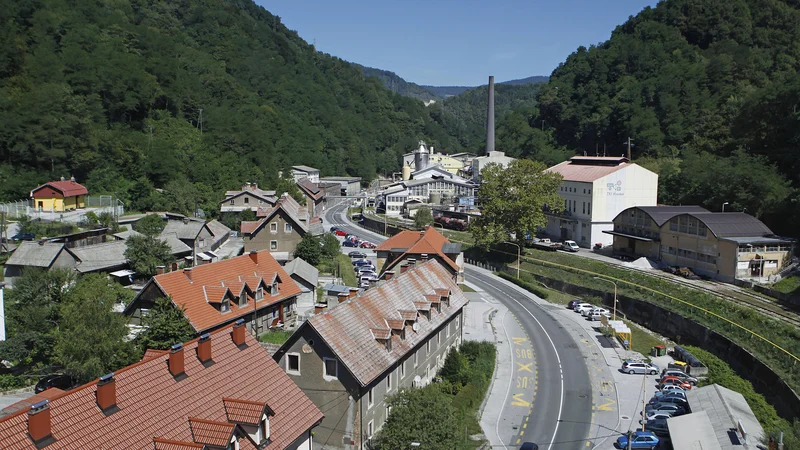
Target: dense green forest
x,y
398,85
708,89
165,101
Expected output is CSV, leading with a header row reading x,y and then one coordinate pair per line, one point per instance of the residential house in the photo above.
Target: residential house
x,y
279,228
348,186
250,197
221,391
723,246
199,238
595,189
300,172
314,197
350,358
59,196
42,254
253,287
418,246
306,276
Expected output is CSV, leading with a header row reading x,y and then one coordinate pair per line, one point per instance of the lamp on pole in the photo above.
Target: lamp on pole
x,y
519,252
723,206
615,294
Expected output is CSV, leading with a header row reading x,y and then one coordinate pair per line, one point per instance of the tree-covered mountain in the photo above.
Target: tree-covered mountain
x,y
190,96
398,85
452,91
528,80
708,89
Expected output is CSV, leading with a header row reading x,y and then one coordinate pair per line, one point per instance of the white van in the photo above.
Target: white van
x,y
570,246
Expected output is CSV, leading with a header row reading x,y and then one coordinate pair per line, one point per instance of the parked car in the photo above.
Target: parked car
x,y
570,246
671,387
334,229
349,244
587,312
639,367
658,415
639,439
528,446
658,396
656,426
56,380
674,409
357,254
680,374
596,315
361,262
680,401
583,307
365,270
366,244
340,233
573,303
23,237
675,381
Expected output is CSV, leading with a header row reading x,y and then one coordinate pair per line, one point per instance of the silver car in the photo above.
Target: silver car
x,y
639,367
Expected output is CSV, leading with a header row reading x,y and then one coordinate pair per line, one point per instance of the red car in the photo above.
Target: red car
x,y
340,233
674,381
366,244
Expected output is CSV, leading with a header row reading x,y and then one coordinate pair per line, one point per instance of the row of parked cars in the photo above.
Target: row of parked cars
x,y
351,240
365,272
591,312
668,401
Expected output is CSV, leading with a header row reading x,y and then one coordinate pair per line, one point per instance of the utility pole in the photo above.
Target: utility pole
x,y
629,148
630,438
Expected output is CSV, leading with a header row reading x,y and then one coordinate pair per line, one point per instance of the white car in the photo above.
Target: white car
x,y
596,315
590,311
671,387
580,308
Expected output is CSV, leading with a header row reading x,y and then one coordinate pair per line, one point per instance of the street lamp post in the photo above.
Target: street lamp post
x,y
519,253
723,206
615,294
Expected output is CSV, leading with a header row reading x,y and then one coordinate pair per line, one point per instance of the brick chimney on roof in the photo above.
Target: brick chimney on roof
x,y
176,360
160,270
204,348
254,256
188,272
388,275
39,427
353,292
403,268
237,334
106,394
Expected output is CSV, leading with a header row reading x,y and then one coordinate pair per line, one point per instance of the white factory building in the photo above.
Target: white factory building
x,y
595,190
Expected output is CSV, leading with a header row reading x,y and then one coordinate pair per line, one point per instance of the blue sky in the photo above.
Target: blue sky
x,y
455,42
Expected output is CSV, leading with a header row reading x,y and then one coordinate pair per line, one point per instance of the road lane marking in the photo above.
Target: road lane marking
x,y
526,367
519,340
607,406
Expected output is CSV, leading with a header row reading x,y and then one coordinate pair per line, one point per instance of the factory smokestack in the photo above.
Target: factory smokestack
x,y
490,119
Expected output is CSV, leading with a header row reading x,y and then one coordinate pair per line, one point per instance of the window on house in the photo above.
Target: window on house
x,y
370,429
225,306
447,331
264,430
584,207
589,208
246,200
402,370
416,358
458,321
287,228
273,245
274,290
243,300
330,368
439,338
259,294
233,202
293,363
389,382
428,347
273,227
370,399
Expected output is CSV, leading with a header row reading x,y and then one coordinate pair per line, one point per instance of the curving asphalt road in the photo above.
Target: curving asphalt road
x,y
561,411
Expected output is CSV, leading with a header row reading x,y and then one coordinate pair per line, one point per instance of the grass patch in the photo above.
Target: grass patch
x,y
346,270
275,337
642,340
465,288
788,285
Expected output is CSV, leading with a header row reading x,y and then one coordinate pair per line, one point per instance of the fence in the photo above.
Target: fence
x,y
98,204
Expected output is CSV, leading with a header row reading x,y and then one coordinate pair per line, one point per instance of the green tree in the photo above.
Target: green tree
x,y
330,246
166,325
309,249
145,253
33,315
91,339
455,368
513,200
150,225
419,415
423,218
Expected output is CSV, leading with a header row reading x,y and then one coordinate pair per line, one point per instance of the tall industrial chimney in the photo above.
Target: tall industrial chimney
x,y
490,119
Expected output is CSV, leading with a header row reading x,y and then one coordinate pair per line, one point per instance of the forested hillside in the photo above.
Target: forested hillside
x,y
189,96
708,89
397,84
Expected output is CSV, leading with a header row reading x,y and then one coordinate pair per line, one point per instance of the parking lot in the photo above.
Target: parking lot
x,y
368,254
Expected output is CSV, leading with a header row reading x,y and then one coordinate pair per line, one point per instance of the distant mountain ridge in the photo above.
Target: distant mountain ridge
x,y
449,91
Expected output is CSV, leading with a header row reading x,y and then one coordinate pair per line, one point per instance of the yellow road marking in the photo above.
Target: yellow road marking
x,y
519,401
524,425
518,340
524,367
607,406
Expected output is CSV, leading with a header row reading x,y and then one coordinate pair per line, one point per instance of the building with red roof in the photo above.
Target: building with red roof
x,y
419,246
253,287
59,196
221,391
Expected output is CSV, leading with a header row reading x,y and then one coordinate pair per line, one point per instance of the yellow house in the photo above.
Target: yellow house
x,y
59,196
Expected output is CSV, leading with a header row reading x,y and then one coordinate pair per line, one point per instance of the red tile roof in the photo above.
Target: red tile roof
x,y
243,411
416,243
247,227
211,432
206,287
67,188
351,329
155,407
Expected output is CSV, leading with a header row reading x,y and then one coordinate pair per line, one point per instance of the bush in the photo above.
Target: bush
x,y
9,382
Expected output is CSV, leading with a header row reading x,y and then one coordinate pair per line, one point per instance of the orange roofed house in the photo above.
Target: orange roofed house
x,y
410,247
222,391
59,196
253,287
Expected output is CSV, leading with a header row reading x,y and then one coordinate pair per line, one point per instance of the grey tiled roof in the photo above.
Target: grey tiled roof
x,y
350,328
725,408
97,257
32,254
731,224
303,270
661,214
181,230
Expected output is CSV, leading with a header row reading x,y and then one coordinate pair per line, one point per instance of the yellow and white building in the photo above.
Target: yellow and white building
x,y
59,196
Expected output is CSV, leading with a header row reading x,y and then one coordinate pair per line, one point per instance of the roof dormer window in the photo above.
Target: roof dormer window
x,y
274,288
259,294
225,306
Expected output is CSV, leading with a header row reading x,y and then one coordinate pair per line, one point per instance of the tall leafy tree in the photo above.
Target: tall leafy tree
x,y
150,225
330,246
166,325
423,218
145,253
513,200
309,249
419,415
91,339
